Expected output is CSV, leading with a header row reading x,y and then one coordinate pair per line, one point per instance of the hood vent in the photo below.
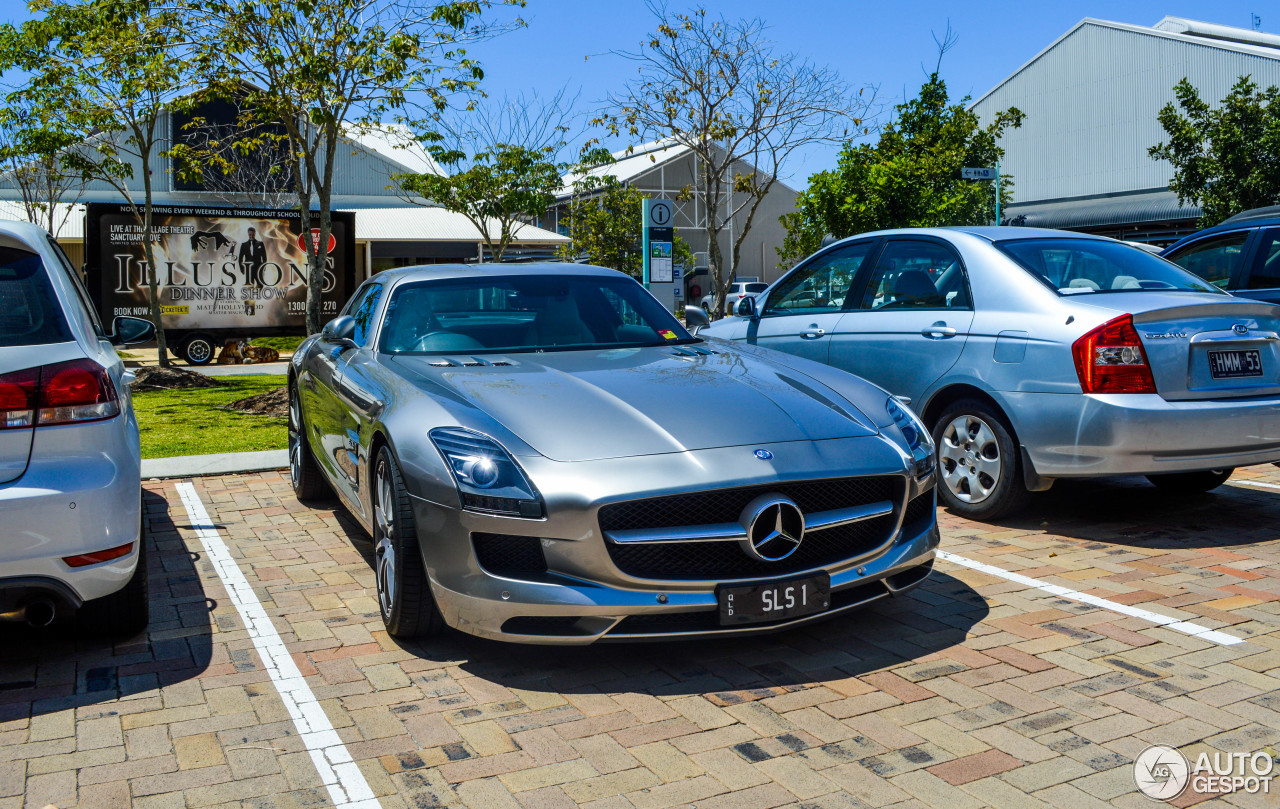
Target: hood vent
x,y
693,351
469,362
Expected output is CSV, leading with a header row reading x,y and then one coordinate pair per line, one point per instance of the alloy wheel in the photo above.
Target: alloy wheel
x,y
385,550
295,440
970,458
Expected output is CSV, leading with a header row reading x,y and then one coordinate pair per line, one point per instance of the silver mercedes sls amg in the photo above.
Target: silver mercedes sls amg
x,y
543,454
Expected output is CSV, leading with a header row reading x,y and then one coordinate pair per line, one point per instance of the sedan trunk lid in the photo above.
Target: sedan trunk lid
x,y
1207,346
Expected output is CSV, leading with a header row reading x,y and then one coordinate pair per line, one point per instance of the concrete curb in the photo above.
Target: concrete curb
x,y
224,463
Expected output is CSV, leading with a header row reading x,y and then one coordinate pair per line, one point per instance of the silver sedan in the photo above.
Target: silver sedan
x,y
1037,354
529,448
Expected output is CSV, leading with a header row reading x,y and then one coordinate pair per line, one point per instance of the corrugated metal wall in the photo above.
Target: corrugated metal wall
x,y
1091,105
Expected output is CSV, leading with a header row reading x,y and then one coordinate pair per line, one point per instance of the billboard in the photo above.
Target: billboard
x,y
218,268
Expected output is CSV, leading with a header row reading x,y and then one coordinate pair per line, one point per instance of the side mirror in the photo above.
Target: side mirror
x,y
746,307
340,331
695,318
126,331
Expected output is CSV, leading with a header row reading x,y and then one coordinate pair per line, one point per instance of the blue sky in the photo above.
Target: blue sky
x,y
889,44
882,43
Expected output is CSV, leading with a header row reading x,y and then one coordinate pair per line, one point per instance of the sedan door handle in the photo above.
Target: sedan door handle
x,y
937,330
812,333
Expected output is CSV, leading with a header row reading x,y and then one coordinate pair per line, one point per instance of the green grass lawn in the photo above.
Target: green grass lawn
x,y
189,422
278,343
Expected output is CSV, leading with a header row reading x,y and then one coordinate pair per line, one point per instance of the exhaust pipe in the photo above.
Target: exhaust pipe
x,y
39,613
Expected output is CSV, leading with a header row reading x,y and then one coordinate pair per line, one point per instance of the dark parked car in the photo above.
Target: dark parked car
x,y
1241,255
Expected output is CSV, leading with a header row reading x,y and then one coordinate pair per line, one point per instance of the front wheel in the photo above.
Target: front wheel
x,y
1191,482
404,590
978,463
304,472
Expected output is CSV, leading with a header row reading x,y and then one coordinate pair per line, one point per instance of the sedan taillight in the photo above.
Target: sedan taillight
x,y
1110,359
61,393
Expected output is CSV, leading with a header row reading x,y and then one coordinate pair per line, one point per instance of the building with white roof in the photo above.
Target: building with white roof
x,y
391,229
664,169
1091,100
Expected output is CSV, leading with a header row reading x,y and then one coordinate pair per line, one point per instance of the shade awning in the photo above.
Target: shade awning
x,y
1120,209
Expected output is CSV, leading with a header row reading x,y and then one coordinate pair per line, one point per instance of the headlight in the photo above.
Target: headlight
x,y
487,477
917,436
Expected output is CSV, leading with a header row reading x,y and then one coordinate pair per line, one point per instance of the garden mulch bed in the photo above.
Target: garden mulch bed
x,y
272,403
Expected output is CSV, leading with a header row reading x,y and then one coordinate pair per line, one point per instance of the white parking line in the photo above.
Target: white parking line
x,y
340,774
1168,622
1254,483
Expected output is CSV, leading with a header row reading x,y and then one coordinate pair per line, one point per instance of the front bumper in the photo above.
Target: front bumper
x,y
81,493
584,597
1078,435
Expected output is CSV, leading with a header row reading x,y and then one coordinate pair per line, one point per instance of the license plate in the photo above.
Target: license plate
x,y
1232,364
773,601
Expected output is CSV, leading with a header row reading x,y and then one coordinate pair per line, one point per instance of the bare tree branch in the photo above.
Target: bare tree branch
x,y
720,88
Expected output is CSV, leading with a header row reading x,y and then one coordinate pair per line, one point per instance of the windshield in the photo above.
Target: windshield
x,y
1091,266
526,313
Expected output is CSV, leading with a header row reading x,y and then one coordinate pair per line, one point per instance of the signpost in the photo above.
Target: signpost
x,y
986,174
659,235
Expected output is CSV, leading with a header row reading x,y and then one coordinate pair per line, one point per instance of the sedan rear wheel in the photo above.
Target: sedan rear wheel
x,y
978,461
404,590
1191,482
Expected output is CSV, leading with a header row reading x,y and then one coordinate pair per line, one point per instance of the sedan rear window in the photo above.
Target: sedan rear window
x,y
1091,266
29,309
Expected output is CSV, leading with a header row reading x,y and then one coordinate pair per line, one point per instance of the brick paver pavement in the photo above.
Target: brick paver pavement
x,y
973,691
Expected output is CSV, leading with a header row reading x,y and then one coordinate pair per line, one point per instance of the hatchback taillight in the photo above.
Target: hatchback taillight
x,y
1110,359
61,393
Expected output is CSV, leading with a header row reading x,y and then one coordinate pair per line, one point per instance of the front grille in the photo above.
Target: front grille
x,y
726,560
511,556
921,511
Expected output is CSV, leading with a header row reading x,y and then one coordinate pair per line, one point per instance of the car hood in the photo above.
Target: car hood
x,y
591,405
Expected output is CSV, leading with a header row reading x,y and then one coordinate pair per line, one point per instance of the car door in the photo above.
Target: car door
x,y
1262,276
802,311
324,412
359,396
1218,258
910,320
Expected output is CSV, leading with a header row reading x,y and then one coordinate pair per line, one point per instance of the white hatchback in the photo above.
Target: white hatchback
x,y
71,535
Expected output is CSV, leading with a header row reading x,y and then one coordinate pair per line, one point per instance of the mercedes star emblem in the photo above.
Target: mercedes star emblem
x,y
774,526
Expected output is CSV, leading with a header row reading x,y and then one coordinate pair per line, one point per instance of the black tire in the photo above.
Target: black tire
x,y
304,473
1191,482
404,591
124,612
198,349
975,436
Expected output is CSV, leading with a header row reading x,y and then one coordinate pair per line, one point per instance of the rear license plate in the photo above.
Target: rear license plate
x,y
773,601
1232,364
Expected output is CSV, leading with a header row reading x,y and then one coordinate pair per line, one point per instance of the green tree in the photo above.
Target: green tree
x,y
112,66
34,142
322,69
909,178
500,161
604,220
500,188
1226,159
720,89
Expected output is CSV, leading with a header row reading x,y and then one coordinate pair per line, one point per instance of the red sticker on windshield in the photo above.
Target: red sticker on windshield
x,y
669,334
